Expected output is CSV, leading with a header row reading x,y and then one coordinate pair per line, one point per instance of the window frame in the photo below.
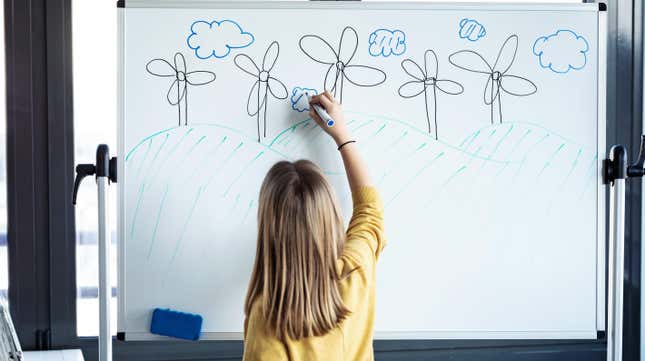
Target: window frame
x,y
41,228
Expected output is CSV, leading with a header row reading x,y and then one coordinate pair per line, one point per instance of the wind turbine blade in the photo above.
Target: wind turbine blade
x,y
246,64
470,61
180,63
491,91
413,69
318,49
363,75
506,55
252,105
431,64
348,45
161,67
331,78
271,56
449,86
518,86
411,89
200,77
176,92
277,88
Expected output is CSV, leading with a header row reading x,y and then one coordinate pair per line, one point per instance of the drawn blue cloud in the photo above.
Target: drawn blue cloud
x,y
471,29
384,42
217,38
299,99
562,51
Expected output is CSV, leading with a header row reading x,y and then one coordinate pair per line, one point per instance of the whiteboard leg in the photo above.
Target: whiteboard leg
x,y
616,256
105,171
105,286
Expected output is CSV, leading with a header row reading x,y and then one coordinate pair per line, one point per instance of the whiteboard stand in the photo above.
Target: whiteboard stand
x,y
616,171
105,171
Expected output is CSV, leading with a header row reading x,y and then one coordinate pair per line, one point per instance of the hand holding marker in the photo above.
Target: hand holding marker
x,y
322,113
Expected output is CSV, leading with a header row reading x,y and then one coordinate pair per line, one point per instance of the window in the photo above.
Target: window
x,y
94,34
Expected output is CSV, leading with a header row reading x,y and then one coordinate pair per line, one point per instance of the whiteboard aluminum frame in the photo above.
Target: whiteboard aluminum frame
x,y
384,335
120,203
601,281
359,5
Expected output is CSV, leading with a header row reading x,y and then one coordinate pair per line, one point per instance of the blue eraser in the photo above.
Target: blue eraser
x,y
176,324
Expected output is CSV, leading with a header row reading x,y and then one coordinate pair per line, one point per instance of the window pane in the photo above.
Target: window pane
x,y
94,58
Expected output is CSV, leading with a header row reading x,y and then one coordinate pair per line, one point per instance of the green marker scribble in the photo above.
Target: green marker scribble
x,y
401,161
207,156
237,200
223,163
154,231
550,159
145,156
154,159
424,132
201,139
520,141
591,174
452,176
496,147
400,138
302,138
475,155
289,130
127,157
136,209
248,210
379,130
246,167
170,153
365,123
414,177
466,139
525,157
472,140
573,166
184,228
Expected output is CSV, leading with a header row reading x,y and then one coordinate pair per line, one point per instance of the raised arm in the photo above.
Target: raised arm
x,y
365,238
355,168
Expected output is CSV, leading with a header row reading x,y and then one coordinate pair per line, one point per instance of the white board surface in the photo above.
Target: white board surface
x,y
492,219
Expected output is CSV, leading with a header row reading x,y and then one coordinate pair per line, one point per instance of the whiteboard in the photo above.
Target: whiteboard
x,y
481,124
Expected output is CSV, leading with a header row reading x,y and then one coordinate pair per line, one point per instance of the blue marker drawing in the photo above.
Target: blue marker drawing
x,y
385,42
299,99
471,29
216,39
561,51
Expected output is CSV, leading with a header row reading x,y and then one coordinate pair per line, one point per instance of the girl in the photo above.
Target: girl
x,y
311,294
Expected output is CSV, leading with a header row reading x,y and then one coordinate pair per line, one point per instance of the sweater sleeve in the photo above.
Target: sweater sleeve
x,y
365,236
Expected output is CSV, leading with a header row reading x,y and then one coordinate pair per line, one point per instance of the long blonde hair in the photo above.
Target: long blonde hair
x,y
300,236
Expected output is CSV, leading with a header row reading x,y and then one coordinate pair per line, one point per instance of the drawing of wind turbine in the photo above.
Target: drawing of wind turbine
x,y
264,84
178,93
498,78
427,78
340,67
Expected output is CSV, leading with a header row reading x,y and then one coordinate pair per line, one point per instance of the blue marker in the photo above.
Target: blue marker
x,y
322,113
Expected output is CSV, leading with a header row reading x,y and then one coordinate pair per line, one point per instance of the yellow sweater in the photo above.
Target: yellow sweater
x,y
352,339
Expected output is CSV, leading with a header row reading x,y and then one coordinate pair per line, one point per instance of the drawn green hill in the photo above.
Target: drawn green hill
x,y
209,175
